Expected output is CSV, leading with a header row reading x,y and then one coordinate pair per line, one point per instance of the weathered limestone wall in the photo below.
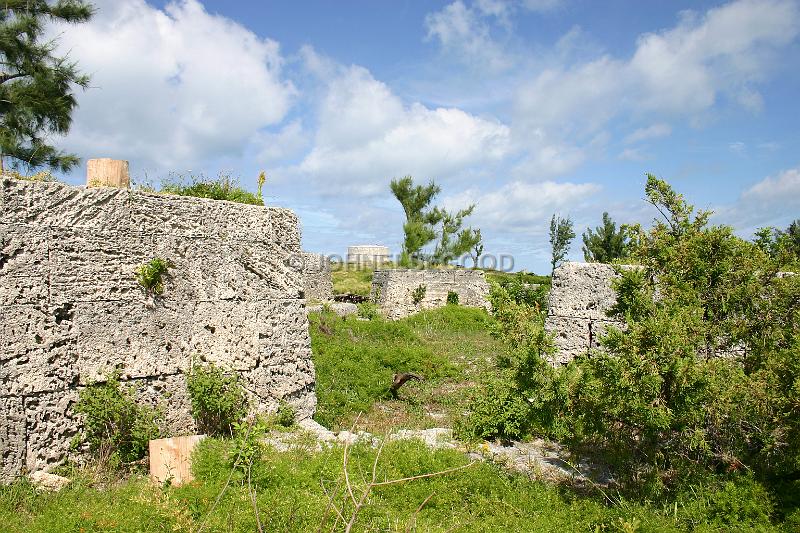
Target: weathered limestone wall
x,y
71,310
317,275
392,290
580,296
368,254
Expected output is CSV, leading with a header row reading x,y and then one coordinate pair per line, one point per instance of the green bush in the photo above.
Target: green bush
x,y
114,425
285,415
222,188
218,400
418,294
452,298
368,310
150,275
496,411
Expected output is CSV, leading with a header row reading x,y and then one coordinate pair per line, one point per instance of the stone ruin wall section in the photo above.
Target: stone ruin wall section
x,y
318,283
392,290
71,310
580,297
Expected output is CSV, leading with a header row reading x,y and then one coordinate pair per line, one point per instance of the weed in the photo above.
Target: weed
x,y
218,400
150,275
224,187
452,298
368,310
418,294
285,415
43,176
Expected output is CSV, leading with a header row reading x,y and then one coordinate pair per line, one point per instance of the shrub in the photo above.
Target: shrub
x,y
114,425
222,188
150,275
497,411
42,176
368,310
418,294
452,298
218,400
285,415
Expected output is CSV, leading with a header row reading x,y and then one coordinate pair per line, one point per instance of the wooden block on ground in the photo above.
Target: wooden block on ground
x,y
170,459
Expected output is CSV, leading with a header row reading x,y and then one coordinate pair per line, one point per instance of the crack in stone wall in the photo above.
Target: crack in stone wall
x,y
71,310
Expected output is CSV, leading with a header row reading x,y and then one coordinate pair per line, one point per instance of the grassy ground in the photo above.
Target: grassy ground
x,y
293,491
349,280
450,347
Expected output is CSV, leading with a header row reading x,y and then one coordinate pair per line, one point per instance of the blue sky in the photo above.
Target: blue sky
x,y
525,107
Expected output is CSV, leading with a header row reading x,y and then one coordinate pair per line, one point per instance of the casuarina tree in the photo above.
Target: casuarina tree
x,y
561,235
605,243
36,86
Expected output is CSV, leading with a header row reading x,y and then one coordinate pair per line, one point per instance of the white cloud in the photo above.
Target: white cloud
x,y
367,135
680,72
463,33
542,6
632,154
773,201
520,207
784,187
172,87
737,147
650,132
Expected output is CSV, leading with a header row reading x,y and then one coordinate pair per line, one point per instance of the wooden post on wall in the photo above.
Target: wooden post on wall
x,y
107,172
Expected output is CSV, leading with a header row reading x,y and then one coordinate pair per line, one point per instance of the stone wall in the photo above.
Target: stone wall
x,y
318,283
392,290
580,296
71,310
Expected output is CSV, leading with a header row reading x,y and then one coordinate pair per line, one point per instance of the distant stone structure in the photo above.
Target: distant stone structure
x,y
393,290
579,299
318,283
72,311
368,254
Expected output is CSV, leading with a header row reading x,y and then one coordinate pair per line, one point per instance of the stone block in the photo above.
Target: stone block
x,y
201,217
94,266
318,281
169,396
582,290
23,290
60,205
208,269
39,370
140,340
27,328
244,335
24,251
570,336
12,437
51,424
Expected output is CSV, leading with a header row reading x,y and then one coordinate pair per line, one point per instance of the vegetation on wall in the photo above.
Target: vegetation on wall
x,y
151,275
224,187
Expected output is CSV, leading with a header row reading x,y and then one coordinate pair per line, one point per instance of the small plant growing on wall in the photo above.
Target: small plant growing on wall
x,y
285,416
418,294
218,400
452,298
150,275
115,426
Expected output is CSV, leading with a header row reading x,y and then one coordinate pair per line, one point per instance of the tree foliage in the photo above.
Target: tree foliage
x,y
605,244
36,98
425,223
561,235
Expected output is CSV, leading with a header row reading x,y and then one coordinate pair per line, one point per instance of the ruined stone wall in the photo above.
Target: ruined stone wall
x,y
580,296
392,290
318,284
71,310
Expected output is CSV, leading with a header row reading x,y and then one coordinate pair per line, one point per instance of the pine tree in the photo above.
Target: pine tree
x,y
36,98
561,235
605,244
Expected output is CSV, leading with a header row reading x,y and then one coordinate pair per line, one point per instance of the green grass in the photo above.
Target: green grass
x,y
499,276
355,361
347,279
290,497
220,188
